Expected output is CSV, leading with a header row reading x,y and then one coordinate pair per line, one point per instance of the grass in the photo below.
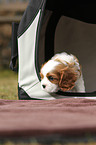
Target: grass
x,y
34,143
8,85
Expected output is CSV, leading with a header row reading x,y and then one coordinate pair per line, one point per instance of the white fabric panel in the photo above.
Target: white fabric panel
x,y
26,49
27,77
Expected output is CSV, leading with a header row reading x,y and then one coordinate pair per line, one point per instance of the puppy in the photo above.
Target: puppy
x,y
62,72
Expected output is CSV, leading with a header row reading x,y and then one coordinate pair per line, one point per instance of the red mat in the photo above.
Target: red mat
x,y
39,117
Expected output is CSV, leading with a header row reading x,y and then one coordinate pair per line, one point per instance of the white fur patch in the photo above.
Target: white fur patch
x,y
49,66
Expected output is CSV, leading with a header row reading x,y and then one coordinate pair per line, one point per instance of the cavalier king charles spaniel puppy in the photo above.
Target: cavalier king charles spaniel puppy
x,y
62,72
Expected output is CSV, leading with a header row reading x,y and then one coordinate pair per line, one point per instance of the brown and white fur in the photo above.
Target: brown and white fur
x,y
62,72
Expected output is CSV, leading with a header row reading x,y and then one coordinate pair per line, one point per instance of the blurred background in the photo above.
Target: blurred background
x,y
10,11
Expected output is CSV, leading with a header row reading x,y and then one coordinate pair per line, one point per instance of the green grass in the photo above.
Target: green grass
x,y
8,85
22,143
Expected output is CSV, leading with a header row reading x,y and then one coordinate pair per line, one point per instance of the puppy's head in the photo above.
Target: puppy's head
x,y
56,76
49,77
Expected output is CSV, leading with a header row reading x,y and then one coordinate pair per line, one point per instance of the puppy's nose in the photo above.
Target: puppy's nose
x,y
44,86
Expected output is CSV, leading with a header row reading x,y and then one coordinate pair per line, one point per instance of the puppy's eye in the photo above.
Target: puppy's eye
x,y
50,78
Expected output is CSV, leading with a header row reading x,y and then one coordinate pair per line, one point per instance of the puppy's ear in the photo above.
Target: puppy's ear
x,y
68,78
